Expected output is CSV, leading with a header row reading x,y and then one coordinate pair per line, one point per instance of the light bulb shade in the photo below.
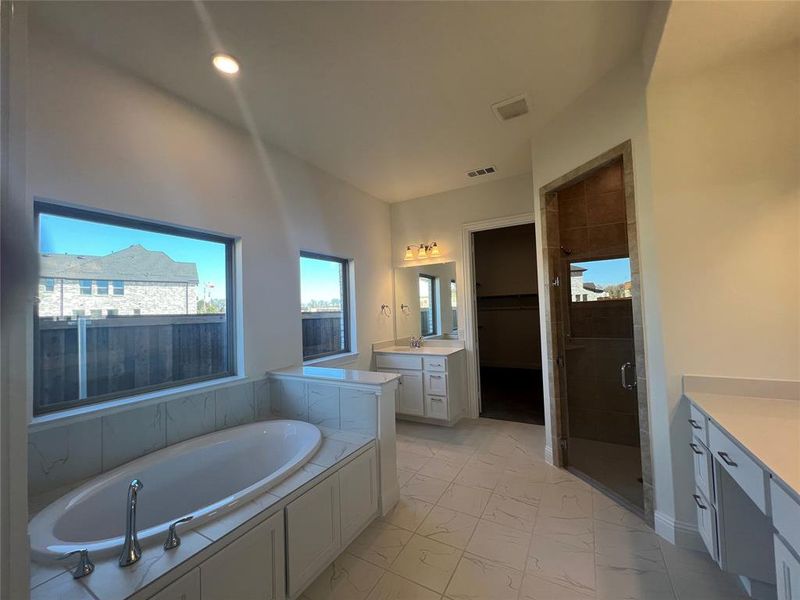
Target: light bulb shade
x,y
434,250
422,252
409,253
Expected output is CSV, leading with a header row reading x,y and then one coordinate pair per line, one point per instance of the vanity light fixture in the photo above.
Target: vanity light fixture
x,y
225,63
423,251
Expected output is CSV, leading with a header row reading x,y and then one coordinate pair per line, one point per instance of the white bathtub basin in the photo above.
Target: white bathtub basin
x,y
205,477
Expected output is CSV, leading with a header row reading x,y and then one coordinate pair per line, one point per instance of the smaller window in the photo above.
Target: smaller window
x,y
79,313
101,287
137,311
96,313
49,284
119,287
86,287
427,305
324,305
112,312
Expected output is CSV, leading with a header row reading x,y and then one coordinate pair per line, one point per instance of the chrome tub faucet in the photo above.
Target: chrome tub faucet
x,y
131,551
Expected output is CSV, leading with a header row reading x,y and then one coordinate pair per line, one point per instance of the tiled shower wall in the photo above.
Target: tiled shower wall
x,y
61,456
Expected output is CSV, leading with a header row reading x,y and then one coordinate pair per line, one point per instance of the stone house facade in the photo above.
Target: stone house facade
x,y
133,281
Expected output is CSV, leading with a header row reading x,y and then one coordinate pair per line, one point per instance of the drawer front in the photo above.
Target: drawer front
x,y
702,468
434,363
707,523
699,424
436,384
741,467
436,407
786,518
398,361
787,572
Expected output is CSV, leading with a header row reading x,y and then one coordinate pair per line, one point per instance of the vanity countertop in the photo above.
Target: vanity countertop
x,y
768,428
337,375
109,582
424,351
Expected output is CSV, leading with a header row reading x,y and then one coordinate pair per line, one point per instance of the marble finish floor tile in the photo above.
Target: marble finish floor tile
x,y
448,526
478,477
471,501
537,588
427,489
408,513
562,565
348,578
394,587
478,578
501,544
441,468
427,562
380,543
511,512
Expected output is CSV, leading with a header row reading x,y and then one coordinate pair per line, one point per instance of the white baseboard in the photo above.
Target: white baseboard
x,y
548,454
679,533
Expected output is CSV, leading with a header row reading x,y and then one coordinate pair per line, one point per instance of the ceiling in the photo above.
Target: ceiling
x,y
391,97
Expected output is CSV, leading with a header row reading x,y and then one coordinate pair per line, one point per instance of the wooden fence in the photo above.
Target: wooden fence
x,y
323,332
80,358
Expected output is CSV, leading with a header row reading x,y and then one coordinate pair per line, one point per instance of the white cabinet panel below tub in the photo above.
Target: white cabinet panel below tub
x,y
313,533
358,493
787,572
185,588
251,567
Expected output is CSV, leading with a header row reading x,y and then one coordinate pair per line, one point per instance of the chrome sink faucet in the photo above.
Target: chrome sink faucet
x,y
416,342
131,551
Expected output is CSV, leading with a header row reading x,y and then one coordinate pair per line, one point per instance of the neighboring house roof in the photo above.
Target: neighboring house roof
x,y
592,287
576,269
135,263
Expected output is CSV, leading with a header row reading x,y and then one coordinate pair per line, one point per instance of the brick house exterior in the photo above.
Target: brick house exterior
x,y
133,281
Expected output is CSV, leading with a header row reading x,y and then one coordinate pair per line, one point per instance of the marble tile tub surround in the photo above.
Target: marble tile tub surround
x,y
109,582
64,455
507,525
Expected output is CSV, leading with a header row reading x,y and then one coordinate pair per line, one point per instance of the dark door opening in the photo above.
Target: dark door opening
x,y
596,299
509,345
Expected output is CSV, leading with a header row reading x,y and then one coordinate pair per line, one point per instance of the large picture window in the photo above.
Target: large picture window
x,y
168,320
324,305
427,305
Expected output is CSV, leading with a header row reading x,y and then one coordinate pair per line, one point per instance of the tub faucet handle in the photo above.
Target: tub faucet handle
x,y
85,565
173,541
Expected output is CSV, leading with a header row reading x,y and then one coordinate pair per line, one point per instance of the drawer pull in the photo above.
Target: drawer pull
x,y
695,449
697,501
694,424
435,376
727,459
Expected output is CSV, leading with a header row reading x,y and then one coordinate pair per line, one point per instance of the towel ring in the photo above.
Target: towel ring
x,y
386,310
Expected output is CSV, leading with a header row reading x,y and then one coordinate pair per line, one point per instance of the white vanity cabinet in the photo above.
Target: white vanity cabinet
x,y
432,382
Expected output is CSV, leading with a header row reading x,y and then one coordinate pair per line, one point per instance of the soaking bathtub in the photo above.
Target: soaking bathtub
x,y
204,477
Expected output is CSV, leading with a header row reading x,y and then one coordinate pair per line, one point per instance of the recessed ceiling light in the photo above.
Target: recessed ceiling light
x,y
225,63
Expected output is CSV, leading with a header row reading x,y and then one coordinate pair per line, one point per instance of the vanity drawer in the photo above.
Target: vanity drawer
x,y
434,363
741,467
398,361
706,523
436,384
699,424
785,516
436,407
703,477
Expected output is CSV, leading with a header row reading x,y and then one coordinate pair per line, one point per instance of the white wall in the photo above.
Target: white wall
x,y
725,146
102,139
607,114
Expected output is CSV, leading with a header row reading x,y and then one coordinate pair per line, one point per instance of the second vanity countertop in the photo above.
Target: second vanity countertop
x,y
424,351
110,582
768,428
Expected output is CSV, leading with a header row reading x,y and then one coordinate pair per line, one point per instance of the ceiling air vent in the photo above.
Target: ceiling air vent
x,y
511,108
481,172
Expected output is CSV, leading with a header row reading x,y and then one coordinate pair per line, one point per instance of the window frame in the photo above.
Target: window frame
x,y
98,287
41,206
49,284
117,290
434,308
82,287
346,321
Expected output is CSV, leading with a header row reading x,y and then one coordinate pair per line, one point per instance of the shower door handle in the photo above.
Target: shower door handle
x,y
623,373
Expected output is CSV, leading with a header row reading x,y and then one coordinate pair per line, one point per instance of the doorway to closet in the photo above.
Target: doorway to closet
x,y
507,309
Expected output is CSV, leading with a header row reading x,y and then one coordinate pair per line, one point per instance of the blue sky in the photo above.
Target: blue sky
x,y
319,280
607,272
61,235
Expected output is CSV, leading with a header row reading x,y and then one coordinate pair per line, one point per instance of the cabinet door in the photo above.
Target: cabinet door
x,y
251,568
313,534
411,399
185,588
706,523
436,407
358,494
787,571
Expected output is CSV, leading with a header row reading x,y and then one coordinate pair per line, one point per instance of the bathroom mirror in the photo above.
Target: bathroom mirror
x,y
426,301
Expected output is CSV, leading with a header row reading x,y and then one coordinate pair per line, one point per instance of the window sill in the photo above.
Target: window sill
x,y
335,360
93,411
